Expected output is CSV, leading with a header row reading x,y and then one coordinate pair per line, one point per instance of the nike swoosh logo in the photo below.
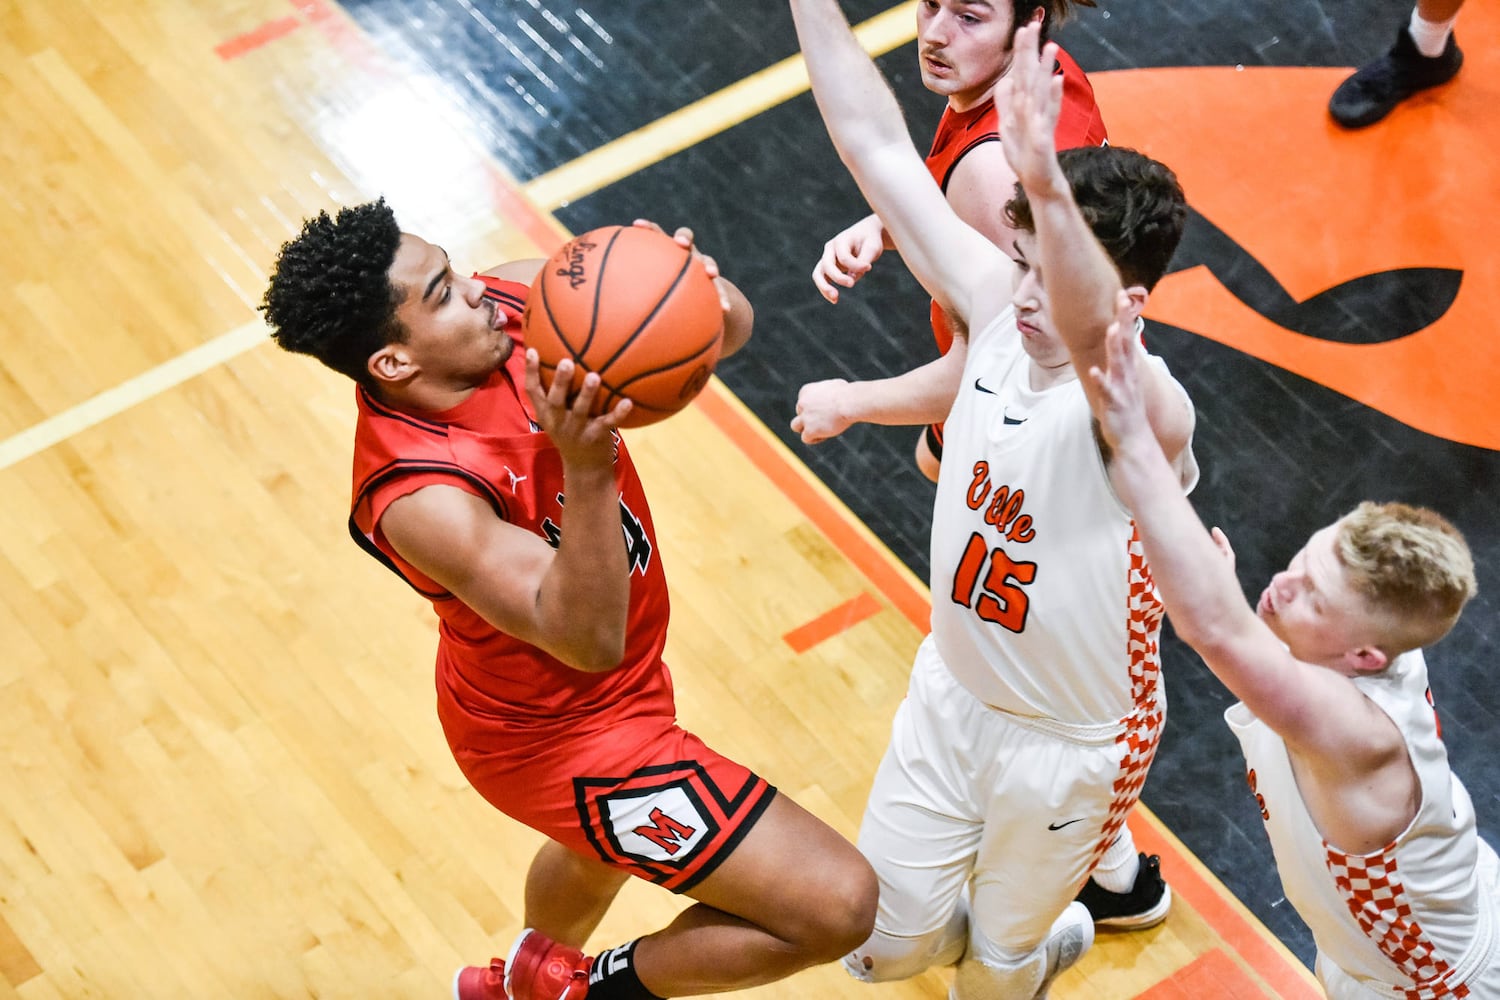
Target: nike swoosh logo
x,y
1012,421
1059,826
978,385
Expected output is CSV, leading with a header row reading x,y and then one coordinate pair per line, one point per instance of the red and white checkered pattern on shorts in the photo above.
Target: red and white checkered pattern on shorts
x,y
1372,889
1143,725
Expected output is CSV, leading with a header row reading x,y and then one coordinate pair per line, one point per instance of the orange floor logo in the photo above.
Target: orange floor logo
x,y
1364,261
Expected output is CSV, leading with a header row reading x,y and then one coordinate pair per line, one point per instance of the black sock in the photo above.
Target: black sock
x,y
613,976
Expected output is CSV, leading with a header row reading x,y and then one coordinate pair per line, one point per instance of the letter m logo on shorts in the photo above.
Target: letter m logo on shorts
x,y
665,832
669,823
661,824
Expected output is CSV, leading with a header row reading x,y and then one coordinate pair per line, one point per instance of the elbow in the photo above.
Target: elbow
x,y
1209,639
601,652
739,323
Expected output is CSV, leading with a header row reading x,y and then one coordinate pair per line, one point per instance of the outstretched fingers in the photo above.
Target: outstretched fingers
x,y
1031,93
1222,541
567,415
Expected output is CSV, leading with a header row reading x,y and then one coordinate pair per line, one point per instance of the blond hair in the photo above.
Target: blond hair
x,y
1409,564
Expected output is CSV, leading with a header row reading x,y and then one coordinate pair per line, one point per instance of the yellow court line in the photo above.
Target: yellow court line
x,y
76,419
705,118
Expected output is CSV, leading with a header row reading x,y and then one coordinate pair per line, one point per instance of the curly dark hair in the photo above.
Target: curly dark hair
x,y
1057,11
330,295
1134,205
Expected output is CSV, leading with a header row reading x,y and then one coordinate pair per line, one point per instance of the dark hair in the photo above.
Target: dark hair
x,y
1057,12
1133,204
330,293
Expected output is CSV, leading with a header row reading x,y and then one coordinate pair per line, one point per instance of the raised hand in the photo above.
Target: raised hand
x,y
849,256
1030,98
1222,541
1123,412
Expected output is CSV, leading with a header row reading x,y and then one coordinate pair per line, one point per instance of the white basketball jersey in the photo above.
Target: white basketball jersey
x,y
1042,604
1413,916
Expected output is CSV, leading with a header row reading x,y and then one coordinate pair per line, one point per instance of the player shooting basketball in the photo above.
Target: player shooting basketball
x,y
550,684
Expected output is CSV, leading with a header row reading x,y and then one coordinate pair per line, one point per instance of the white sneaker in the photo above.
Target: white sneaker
x,y
1071,935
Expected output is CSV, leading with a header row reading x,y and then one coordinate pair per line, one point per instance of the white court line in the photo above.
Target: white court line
x,y
110,402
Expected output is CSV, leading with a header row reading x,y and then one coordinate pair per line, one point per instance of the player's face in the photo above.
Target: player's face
x,y
1033,319
1312,608
963,47
454,333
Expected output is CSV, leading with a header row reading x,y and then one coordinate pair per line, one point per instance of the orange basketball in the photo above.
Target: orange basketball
x,y
637,308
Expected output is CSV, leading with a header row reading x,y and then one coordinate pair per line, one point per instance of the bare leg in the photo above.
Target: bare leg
x,y
794,894
568,894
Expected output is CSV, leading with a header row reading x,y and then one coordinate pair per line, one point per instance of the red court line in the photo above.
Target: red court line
x,y
1189,879
1212,974
511,202
832,623
540,227
836,524
251,40
1192,882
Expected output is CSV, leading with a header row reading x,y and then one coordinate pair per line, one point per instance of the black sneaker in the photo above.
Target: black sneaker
x,y
1377,87
1145,905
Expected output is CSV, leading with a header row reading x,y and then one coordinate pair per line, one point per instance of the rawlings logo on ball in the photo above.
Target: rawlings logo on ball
x,y
576,251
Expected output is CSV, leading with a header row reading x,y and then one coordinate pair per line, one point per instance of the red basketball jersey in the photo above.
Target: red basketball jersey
x,y
490,445
1078,124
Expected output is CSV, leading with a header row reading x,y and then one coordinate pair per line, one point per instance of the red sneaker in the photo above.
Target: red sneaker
x,y
474,982
538,968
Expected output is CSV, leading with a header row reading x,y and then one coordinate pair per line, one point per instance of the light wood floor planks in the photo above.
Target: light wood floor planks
x,y
221,772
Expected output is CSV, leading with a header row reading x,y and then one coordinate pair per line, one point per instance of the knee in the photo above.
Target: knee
x,y
844,913
850,919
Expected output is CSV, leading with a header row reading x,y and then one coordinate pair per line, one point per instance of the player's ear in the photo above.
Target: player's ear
x,y
1366,659
1038,16
391,364
1139,296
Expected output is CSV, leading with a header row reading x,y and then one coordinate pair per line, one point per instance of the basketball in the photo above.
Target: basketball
x,y
633,306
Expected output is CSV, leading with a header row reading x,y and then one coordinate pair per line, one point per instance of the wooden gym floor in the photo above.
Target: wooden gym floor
x,y
222,774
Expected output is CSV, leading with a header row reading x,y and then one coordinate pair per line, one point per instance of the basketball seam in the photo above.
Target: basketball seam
x,y
665,297
668,367
598,295
556,329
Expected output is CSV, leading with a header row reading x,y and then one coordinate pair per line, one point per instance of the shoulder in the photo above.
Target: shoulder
x,y
521,271
995,320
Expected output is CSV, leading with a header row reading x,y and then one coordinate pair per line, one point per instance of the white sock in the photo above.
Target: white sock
x,y
1430,36
1119,866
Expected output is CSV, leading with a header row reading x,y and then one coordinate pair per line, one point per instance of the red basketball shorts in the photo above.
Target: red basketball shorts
x,y
641,794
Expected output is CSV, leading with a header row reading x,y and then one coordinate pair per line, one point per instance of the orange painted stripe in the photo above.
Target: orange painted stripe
x,y
1212,974
832,623
250,40
1235,925
1189,878
831,517
540,227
